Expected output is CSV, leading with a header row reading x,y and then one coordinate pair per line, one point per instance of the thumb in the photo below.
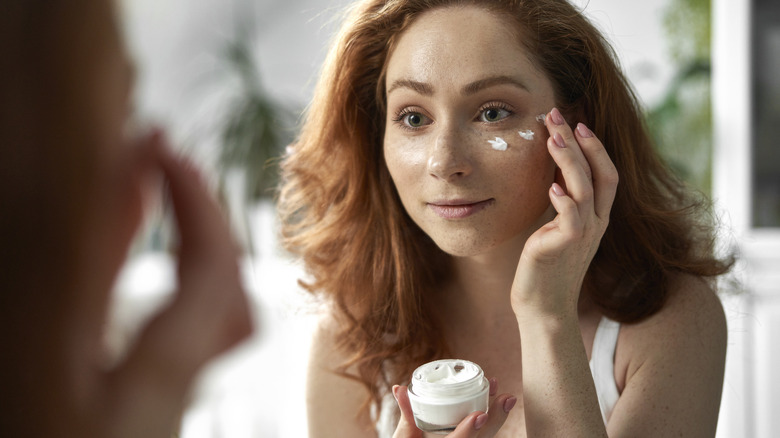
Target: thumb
x,y
406,427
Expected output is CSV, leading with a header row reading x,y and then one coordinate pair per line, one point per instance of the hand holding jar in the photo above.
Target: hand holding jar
x,y
451,395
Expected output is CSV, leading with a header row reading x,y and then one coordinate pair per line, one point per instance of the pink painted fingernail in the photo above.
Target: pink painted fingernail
x,y
493,386
559,140
558,190
509,404
557,117
584,131
481,420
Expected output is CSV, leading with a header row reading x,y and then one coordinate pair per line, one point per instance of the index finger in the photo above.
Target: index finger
x,y
605,175
571,160
499,412
200,222
471,426
406,427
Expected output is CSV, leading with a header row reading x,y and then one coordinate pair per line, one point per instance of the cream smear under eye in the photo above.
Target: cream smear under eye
x,y
527,134
498,144
444,392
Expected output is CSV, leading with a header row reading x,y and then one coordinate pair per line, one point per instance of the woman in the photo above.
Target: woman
x,y
443,218
72,197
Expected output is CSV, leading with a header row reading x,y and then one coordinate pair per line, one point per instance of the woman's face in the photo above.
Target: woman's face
x,y
458,79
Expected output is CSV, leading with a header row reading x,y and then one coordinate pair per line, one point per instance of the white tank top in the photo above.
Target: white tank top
x,y
602,367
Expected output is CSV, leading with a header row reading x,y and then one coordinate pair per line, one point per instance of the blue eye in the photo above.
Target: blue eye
x,y
492,115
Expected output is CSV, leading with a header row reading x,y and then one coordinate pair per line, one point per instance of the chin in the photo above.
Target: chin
x,y
464,246
477,242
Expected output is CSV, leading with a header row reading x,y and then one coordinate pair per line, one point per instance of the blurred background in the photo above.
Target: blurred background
x,y
230,78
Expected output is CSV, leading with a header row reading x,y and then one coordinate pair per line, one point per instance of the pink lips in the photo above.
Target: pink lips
x,y
458,209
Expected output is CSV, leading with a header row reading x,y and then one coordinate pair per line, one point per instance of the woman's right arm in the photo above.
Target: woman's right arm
x,y
334,402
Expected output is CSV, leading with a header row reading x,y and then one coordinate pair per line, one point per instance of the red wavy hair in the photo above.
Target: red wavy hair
x,y
341,213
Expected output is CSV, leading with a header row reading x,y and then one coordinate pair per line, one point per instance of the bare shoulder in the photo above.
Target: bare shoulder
x,y
669,367
692,299
324,345
333,401
692,315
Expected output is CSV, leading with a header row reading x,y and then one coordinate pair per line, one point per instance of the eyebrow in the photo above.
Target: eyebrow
x,y
469,89
420,87
477,86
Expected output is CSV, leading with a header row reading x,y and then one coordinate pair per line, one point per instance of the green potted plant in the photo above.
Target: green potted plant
x,y
681,123
253,135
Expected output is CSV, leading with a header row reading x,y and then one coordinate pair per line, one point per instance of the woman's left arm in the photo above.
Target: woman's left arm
x,y
558,391
673,361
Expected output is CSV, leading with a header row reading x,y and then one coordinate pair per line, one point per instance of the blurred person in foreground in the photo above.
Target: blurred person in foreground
x,y
72,191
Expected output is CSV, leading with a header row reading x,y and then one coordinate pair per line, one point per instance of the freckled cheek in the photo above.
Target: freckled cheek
x,y
539,155
528,166
534,152
406,163
404,154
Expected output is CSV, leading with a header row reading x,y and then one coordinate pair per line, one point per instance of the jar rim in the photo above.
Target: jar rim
x,y
475,383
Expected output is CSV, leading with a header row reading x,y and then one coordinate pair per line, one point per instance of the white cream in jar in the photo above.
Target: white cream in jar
x,y
444,392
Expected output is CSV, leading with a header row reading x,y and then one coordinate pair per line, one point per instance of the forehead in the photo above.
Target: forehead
x,y
458,44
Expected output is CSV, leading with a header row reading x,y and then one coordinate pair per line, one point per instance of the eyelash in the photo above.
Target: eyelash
x,y
399,118
495,105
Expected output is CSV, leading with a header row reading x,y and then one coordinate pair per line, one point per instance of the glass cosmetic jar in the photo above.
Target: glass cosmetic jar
x,y
444,392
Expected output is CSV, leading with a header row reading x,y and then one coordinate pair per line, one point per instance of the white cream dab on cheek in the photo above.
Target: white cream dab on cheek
x,y
527,134
541,119
498,144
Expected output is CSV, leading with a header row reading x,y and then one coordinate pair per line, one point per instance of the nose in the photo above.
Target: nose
x,y
448,159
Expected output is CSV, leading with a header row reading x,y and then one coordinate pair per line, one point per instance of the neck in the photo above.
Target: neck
x,y
481,284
